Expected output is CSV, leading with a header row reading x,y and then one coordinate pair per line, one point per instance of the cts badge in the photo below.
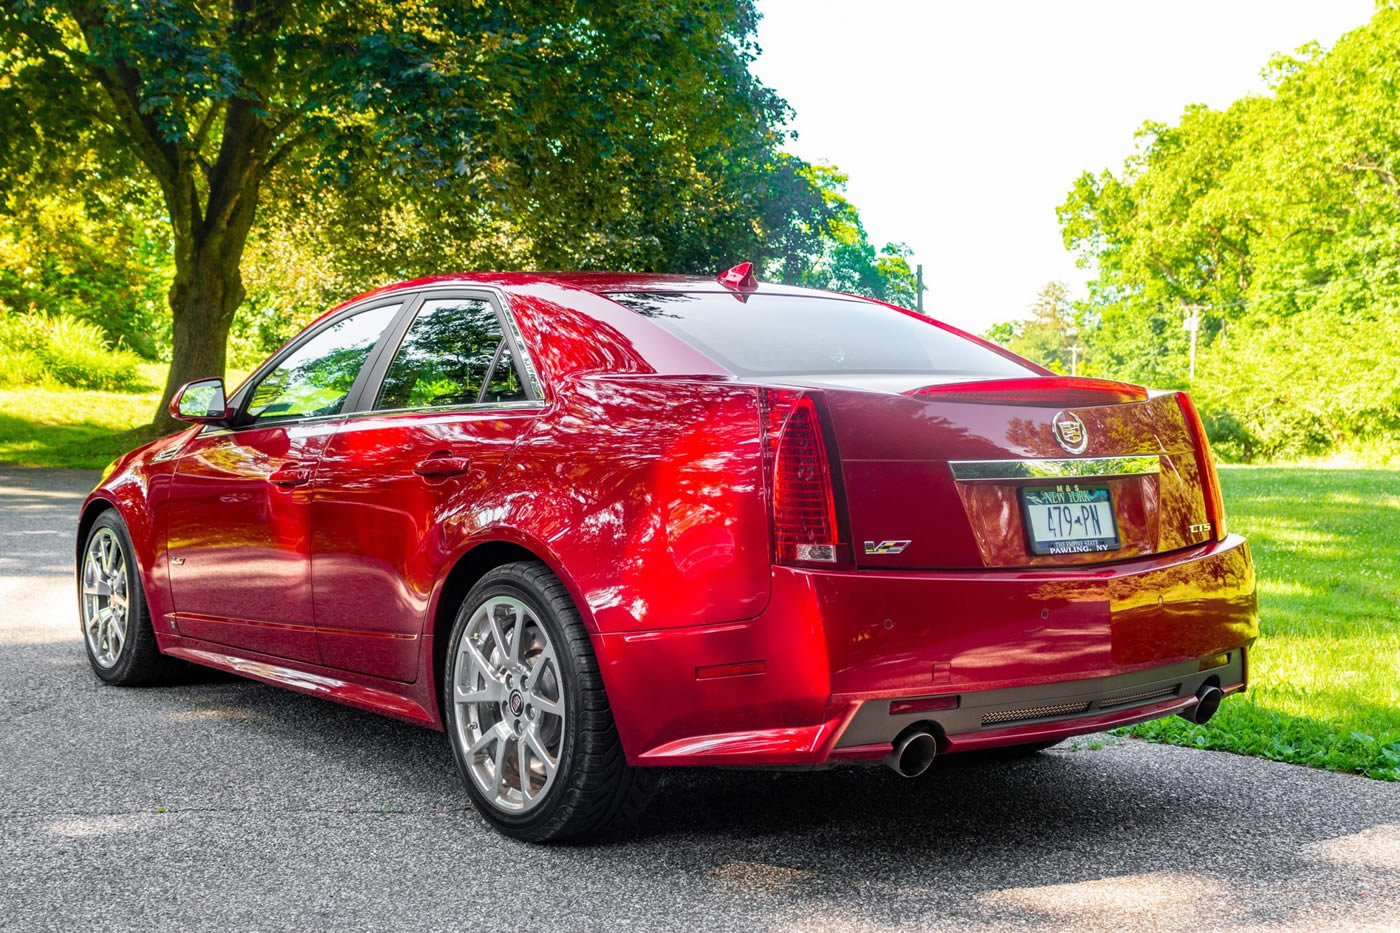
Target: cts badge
x,y
886,547
1069,432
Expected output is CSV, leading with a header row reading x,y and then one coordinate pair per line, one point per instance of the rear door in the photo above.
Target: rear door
x,y
398,480
238,526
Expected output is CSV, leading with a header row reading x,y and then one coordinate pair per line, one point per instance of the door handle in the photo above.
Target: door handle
x,y
289,474
440,465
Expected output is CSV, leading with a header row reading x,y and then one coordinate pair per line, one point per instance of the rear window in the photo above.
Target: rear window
x,y
766,335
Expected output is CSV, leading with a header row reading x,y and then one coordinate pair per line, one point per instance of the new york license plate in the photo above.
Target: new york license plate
x,y
1069,519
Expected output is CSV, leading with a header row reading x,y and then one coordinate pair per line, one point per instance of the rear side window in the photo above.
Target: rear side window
x,y
454,354
790,334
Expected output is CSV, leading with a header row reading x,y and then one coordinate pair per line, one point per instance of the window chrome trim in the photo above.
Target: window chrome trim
x,y
466,407
1054,469
522,353
533,384
219,430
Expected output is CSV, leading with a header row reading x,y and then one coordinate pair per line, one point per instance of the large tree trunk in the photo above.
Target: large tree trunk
x,y
209,242
211,203
202,305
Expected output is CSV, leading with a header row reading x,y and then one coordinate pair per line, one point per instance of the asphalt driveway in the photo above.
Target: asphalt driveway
x,y
224,803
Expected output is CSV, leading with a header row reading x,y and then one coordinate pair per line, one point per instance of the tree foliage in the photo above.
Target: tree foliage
x,y
847,260
386,139
1050,336
1278,220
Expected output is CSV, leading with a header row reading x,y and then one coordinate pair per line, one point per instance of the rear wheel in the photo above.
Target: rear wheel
x,y
121,645
527,716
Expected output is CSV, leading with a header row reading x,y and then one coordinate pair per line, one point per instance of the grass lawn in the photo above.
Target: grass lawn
x,y
1325,673
57,426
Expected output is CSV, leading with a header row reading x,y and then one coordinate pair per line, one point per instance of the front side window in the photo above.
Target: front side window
x,y
454,354
315,379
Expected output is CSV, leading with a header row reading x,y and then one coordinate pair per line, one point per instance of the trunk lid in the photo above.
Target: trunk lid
x,y
936,482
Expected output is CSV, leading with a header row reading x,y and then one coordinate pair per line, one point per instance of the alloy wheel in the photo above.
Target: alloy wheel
x,y
106,602
509,697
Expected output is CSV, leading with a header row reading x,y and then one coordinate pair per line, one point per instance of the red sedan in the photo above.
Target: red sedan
x,y
592,525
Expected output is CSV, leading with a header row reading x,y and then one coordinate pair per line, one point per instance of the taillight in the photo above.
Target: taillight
x,y
1049,391
1205,465
805,529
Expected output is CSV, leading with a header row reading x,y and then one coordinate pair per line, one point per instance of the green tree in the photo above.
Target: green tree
x,y
1049,336
629,133
845,259
1278,219
101,253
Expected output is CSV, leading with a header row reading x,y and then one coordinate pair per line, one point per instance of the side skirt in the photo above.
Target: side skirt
x,y
310,679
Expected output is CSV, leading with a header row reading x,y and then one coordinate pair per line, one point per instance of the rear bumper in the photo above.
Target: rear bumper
x,y
810,680
1018,715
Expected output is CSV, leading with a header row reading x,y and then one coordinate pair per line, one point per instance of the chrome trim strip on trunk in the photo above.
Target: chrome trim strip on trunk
x,y
1053,469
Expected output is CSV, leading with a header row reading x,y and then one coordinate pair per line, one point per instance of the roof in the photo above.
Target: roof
x,y
599,283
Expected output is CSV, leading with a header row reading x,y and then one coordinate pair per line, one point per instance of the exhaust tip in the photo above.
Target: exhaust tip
x,y
913,753
1207,702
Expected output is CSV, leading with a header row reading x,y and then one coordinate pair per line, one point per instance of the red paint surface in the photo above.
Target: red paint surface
x,y
640,481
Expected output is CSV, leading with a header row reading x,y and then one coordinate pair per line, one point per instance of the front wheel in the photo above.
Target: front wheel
x,y
527,716
121,645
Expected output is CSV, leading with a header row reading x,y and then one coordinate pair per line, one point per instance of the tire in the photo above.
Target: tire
x,y
540,719
112,613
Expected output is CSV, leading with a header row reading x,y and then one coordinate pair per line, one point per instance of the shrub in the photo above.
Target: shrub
x,y
36,347
20,367
21,336
22,333
76,354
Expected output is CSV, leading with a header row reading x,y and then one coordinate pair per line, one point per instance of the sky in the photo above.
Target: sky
x,y
962,125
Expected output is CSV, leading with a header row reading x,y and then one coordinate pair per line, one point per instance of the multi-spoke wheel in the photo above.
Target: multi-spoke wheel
x,y
510,703
116,624
106,604
526,713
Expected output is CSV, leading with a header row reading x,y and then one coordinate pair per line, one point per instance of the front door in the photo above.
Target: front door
x,y
396,483
239,525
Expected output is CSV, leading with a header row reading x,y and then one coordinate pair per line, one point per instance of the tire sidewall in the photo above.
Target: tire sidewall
x,y
136,599
501,585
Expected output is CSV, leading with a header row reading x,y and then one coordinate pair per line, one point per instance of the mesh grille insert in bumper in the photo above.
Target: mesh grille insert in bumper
x,y
1034,712
1141,696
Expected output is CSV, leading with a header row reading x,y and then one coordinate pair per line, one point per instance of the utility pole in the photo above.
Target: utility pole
x,y
1193,324
919,288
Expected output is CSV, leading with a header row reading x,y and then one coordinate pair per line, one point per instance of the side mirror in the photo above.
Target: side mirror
x,y
200,402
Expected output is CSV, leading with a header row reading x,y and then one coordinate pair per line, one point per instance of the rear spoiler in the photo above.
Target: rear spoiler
x,y
1047,391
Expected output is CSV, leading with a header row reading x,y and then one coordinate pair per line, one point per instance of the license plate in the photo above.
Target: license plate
x,y
1069,519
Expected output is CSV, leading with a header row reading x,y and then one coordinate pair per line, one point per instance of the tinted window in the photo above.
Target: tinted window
x,y
454,354
315,379
777,334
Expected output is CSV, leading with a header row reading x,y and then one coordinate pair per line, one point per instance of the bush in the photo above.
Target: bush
x,y
22,333
76,354
20,367
35,347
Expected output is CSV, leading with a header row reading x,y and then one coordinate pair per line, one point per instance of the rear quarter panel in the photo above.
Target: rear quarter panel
x,y
648,493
